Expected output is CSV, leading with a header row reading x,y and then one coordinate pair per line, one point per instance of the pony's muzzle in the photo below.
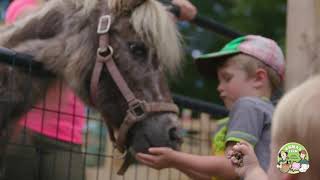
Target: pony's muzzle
x,y
160,130
175,135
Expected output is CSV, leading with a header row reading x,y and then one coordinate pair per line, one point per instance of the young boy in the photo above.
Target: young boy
x,y
249,70
296,119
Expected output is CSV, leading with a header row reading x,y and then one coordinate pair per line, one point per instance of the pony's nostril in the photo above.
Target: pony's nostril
x,y
174,135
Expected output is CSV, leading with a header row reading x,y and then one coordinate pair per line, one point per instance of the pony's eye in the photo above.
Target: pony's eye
x,y
137,49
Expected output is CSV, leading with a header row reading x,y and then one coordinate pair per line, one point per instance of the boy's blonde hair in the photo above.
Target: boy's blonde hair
x,y
250,64
297,119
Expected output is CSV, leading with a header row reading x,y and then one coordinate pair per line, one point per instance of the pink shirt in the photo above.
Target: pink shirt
x,y
16,8
60,115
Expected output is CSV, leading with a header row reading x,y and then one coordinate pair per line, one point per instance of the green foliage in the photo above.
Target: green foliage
x,y
266,18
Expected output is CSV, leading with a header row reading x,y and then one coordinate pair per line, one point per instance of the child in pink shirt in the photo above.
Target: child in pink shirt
x,y
59,116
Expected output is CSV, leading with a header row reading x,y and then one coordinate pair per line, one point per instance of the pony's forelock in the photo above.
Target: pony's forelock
x,y
153,23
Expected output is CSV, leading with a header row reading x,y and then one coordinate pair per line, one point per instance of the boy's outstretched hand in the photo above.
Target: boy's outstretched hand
x,y
158,158
243,158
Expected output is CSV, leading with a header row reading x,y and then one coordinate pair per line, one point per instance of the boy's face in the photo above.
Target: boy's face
x,y
234,83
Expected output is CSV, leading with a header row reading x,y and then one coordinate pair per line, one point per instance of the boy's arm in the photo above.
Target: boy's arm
x,y
161,158
218,166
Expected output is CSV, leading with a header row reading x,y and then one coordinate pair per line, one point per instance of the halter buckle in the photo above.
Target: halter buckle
x,y
137,109
104,24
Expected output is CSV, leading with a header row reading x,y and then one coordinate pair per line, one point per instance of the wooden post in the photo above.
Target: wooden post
x,y
303,41
204,133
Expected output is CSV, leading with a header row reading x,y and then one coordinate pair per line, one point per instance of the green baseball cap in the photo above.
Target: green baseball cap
x,y
263,49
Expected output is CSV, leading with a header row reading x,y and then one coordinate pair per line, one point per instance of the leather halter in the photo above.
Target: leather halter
x,y
137,109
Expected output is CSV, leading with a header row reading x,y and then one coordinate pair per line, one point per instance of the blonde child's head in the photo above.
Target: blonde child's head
x,y
297,119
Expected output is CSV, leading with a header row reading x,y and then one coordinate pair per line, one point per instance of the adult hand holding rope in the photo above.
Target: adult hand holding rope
x,y
185,10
